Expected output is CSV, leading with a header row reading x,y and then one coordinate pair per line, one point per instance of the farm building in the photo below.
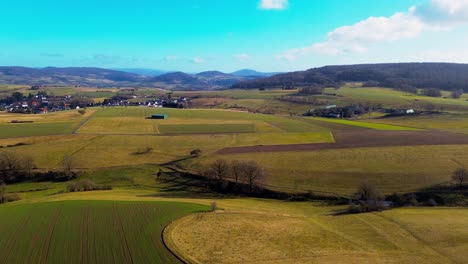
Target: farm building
x,y
159,116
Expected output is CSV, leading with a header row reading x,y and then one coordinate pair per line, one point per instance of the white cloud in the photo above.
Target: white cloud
x,y
242,57
356,38
273,4
456,56
197,60
443,12
433,15
169,58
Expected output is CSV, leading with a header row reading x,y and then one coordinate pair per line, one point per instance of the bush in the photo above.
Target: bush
x,y
82,111
11,197
432,92
195,152
86,186
213,206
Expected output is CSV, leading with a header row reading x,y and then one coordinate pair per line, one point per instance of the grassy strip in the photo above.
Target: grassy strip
x,y
366,124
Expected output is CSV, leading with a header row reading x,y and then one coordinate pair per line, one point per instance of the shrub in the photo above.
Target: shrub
x,y
86,186
82,111
195,152
11,197
213,206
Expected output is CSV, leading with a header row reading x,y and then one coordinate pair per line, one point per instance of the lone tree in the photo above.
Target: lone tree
x,y
369,199
368,192
68,164
460,176
254,174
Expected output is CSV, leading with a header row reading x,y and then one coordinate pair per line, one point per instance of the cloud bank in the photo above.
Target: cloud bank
x,y
433,15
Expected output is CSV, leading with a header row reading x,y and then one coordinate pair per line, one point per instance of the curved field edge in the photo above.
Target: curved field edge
x,y
167,237
120,231
399,236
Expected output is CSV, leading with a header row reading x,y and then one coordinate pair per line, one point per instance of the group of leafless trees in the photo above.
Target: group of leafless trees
x,y
15,167
243,175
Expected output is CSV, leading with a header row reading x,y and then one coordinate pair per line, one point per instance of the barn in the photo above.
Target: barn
x,y
159,116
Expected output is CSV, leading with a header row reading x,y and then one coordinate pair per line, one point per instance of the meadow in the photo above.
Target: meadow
x,y
456,123
340,171
301,233
369,125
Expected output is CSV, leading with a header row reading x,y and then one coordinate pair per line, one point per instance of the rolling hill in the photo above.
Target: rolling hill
x,y
447,76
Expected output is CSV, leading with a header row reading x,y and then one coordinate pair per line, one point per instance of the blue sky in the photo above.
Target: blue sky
x,y
198,35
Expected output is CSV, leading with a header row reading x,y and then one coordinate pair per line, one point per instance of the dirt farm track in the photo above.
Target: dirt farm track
x,y
363,138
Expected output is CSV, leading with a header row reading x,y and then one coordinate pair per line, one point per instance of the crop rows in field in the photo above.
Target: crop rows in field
x,y
36,129
88,232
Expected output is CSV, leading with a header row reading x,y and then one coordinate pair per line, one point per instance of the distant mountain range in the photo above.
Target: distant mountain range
x,y
134,77
404,76
253,73
447,76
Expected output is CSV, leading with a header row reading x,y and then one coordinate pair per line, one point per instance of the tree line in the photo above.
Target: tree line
x,y
404,76
239,176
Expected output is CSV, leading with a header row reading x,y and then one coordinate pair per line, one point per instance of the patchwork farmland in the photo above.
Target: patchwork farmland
x,y
121,148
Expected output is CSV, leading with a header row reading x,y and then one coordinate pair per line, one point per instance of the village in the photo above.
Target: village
x,y
42,102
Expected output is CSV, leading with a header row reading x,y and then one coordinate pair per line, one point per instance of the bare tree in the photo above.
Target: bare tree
x,y
253,173
460,176
368,192
28,165
68,164
217,172
237,170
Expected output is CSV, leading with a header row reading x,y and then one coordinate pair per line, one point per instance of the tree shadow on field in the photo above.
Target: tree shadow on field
x,y
175,185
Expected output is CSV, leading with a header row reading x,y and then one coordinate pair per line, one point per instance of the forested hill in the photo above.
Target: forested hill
x,y
446,76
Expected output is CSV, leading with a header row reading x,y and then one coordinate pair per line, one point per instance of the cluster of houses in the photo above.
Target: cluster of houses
x,y
181,102
43,103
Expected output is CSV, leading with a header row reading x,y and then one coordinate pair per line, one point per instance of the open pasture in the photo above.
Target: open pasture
x,y
88,232
418,235
457,123
391,169
376,126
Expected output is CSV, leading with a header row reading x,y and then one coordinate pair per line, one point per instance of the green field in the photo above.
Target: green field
x,y
88,231
369,125
132,120
36,129
206,128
